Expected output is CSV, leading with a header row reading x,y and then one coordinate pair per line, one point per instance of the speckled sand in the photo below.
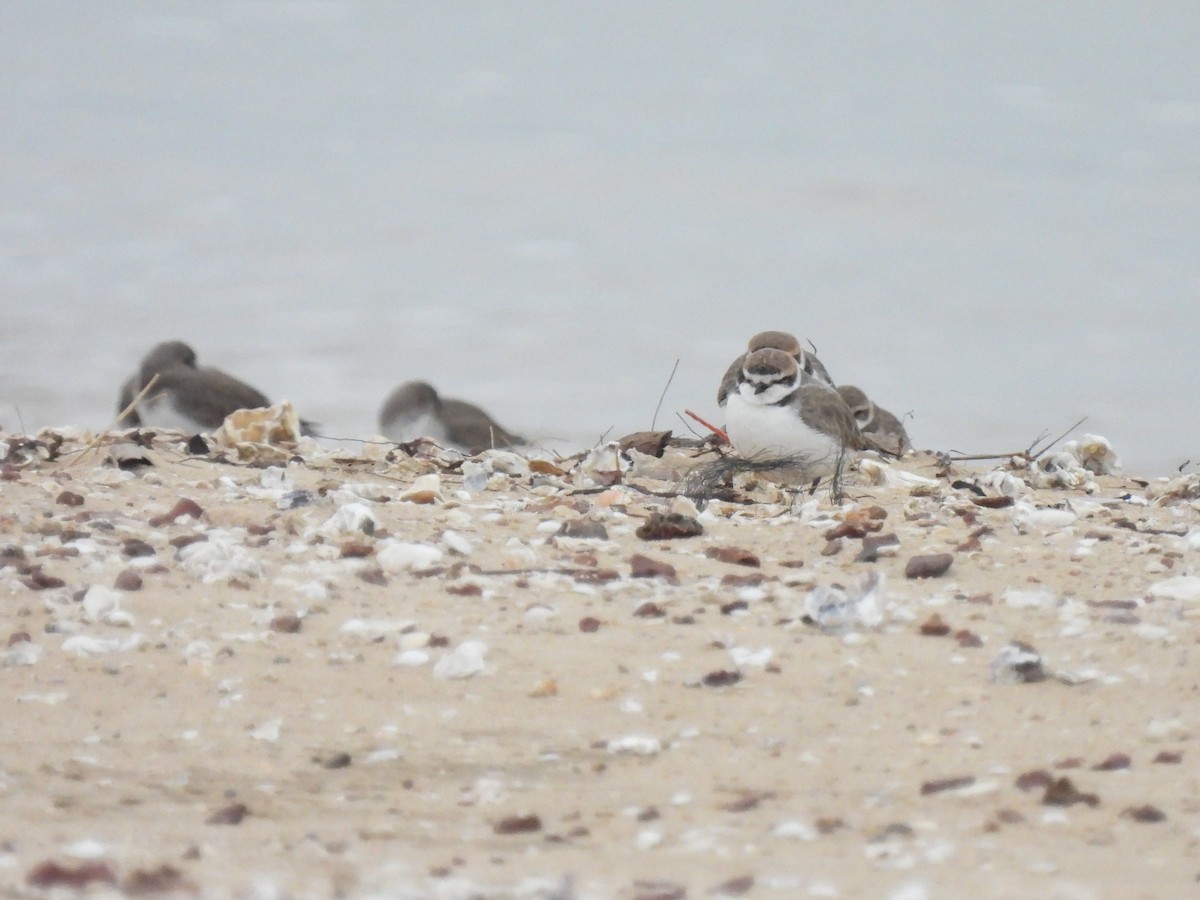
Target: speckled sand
x,y
363,695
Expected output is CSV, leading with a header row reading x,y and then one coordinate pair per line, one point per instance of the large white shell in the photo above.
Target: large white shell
x,y
400,556
463,661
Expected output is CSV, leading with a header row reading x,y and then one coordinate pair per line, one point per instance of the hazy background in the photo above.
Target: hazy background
x,y
985,213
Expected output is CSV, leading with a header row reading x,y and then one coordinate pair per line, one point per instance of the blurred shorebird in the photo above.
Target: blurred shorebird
x,y
875,421
415,409
186,397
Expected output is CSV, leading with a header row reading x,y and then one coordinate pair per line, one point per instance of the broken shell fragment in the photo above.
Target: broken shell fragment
x,y
1018,663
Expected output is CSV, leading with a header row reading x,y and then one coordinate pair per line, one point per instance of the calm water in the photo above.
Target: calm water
x,y
985,214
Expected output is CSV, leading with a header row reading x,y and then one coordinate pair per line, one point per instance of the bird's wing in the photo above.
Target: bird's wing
x,y
729,382
209,394
822,408
469,426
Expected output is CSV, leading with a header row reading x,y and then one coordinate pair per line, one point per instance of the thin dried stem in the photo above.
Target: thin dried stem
x,y
663,395
1028,454
133,404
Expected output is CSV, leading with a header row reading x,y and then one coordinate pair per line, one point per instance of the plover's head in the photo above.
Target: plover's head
x,y
775,340
768,376
415,396
167,355
860,404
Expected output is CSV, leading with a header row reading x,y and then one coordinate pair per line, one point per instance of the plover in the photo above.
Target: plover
x,y
775,414
806,361
875,421
415,410
186,396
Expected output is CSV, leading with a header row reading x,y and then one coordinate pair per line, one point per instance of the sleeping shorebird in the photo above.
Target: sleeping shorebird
x,y
774,414
806,361
875,421
186,396
415,410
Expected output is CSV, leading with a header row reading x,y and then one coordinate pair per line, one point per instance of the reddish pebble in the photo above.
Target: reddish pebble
x,y
946,784
930,565
721,678
673,525
134,547
50,874
589,624
1114,762
935,626
649,610
518,825
967,638
1062,792
733,555
644,567
1036,778
288,623
69,498
373,576
229,815
734,887
1147,814
184,507
128,580
1169,757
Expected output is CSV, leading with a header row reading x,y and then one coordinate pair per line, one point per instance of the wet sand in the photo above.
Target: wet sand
x,y
322,672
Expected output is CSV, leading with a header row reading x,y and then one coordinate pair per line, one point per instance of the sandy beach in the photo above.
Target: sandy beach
x,y
247,670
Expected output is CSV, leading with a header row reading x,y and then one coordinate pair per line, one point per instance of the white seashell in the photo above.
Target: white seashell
x,y
268,731
1058,470
648,839
795,829
744,656
456,543
101,604
276,425
87,848
89,645
464,661
1026,514
413,640
880,473
375,628
507,463
836,611
476,475
635,745
222,556
385,754
1003,483
1166,730
425,489
540,612
22,653
350,518
413,658
399,556
1029,599
1184,588
1017,663
1095,454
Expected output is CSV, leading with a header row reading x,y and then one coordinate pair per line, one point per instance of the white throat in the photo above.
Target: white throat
x,y
769,396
